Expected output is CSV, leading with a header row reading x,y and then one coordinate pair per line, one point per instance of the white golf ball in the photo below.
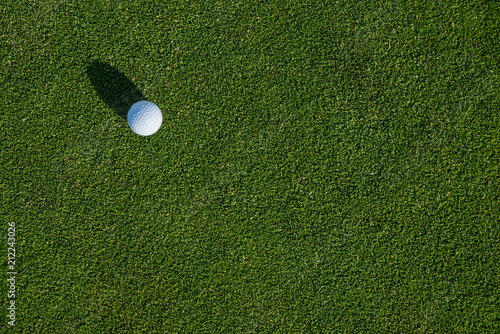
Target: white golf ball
x,y
144,118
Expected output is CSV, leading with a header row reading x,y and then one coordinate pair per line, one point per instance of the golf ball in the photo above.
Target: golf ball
x,y
144,118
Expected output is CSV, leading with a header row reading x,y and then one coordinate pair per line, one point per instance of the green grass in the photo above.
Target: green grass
x,y
323,166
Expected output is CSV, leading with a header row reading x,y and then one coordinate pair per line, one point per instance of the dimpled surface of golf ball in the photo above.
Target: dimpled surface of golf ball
x,y
144,118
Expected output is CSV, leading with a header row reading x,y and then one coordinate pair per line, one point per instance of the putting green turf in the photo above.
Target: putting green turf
x,y
326,166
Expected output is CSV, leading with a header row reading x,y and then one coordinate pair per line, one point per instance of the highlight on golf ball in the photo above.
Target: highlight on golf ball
x,y
144,118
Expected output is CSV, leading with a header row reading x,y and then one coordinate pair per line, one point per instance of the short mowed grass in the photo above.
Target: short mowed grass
x,y
322,167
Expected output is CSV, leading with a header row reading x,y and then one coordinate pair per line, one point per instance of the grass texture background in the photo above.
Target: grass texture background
x,y
323,166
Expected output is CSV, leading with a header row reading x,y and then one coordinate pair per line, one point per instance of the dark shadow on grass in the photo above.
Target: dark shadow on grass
x,y
115,89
